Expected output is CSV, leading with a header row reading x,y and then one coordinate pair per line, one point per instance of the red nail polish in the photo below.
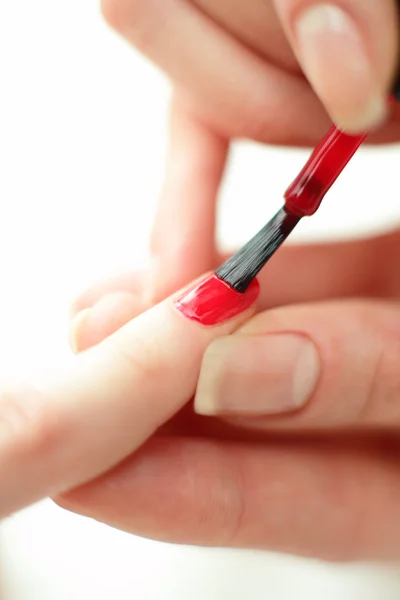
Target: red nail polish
x,y
213,301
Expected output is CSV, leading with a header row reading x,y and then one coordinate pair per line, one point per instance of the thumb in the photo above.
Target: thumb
x,y
308,367
348,50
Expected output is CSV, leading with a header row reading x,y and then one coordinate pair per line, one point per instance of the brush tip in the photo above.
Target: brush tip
x,y
240,270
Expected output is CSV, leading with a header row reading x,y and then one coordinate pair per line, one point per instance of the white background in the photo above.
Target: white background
x,y
82,128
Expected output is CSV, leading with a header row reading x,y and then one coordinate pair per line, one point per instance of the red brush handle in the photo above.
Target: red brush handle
x,y
305,194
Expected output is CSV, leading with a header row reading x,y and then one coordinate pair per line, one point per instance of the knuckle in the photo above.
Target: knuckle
x,y
222,510
114,12
155,244
142,357
132,18
383,392
26,423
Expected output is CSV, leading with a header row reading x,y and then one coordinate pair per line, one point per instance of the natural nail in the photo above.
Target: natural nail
x,y
257,375
333,54
104,318
76,328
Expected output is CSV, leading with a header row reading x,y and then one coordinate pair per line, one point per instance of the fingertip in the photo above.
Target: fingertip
x,y
92,325
333,54
130,283
365,116
77,326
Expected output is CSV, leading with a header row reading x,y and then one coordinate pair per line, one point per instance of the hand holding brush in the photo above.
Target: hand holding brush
x,y
303,456
274,71
312,387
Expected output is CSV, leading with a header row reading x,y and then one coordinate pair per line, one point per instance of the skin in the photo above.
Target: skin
x,y
263,482
208,111
236,68
116,431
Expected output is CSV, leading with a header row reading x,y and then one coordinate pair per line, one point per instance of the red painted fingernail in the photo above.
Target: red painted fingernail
x,y
213,301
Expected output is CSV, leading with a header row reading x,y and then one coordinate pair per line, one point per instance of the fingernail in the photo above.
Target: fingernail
x,y
257,375
334,58
212,301
76,327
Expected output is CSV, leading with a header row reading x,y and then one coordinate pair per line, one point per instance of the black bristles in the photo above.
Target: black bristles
x,y
240,270
396,86
396,89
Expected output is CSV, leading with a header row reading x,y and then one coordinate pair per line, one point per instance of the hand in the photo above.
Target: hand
x,y
64,431
238,69
304,455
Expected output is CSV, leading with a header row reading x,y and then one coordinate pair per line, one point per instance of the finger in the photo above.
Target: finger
x,y
93,325
130,282
255,24
312,273
316,272
349,52
112,398
334,501
332,365
183,244
183,238
240,101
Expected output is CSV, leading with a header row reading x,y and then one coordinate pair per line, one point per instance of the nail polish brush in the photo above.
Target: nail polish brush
x,y
302,199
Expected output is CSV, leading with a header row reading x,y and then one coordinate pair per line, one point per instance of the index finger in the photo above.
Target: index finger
x,y
113,398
